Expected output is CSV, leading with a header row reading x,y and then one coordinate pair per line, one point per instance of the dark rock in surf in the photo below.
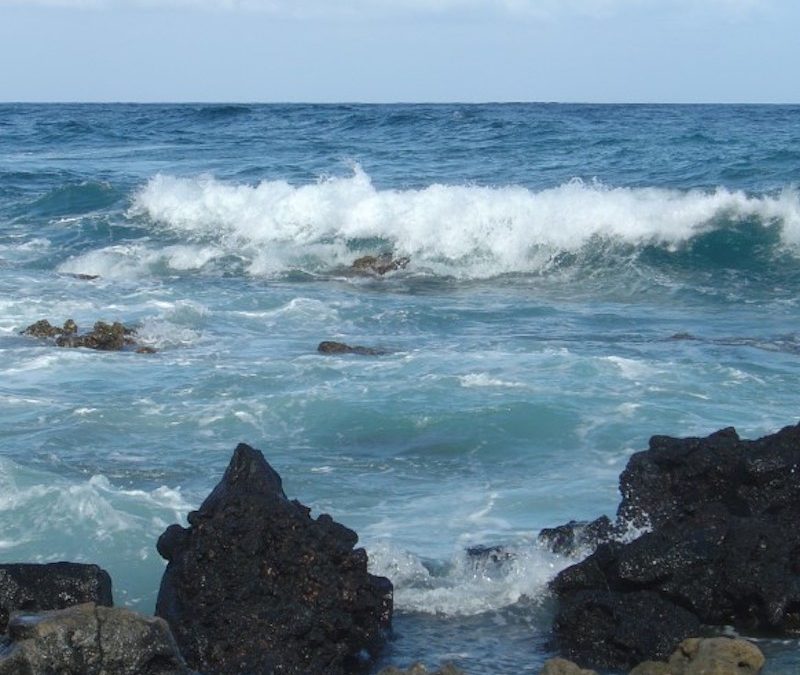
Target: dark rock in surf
x,y
90,640
42,329
103,336
330,347
256,585
379,264
724,549
575,537
35,587
83,277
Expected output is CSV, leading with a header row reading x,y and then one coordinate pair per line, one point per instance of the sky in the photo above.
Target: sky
x,y
668,51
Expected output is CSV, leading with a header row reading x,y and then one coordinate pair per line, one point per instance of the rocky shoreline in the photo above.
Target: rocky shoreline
x,y
254,584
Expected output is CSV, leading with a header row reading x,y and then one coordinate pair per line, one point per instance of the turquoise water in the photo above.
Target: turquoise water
x,y
581,277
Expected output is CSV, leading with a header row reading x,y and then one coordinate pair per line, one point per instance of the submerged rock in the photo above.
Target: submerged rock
x,y
256,585
35,587
723,550
83,277
379,264
330,347
573,537
90,640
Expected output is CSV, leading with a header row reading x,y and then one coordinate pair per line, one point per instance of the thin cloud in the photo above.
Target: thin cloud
x,y
530,8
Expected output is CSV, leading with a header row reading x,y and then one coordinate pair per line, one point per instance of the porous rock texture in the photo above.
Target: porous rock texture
x,y
708,656
34,587
255,585
724,549
88,639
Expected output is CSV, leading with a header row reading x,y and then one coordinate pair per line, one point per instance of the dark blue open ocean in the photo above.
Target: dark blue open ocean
x,y
581,277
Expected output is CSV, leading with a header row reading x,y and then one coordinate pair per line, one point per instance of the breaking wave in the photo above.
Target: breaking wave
x,y
461,231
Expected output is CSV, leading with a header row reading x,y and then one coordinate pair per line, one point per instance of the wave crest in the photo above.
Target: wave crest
x,y
464,231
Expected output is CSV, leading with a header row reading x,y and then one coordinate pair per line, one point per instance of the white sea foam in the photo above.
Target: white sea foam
x,y
486,380
129,261
467,585
451,229
37,508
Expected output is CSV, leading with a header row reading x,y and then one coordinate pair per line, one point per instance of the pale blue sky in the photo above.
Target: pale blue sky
x,y
400,50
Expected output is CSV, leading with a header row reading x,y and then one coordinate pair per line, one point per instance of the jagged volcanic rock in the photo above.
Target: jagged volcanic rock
x,y
724,549
256,585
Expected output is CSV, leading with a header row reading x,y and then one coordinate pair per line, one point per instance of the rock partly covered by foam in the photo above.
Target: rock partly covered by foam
x,y
256,585
379,264
723,549
34,587
103,336
89,640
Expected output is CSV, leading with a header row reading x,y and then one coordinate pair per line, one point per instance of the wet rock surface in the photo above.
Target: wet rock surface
x,y
35,587
379,264
256,585
573,537
103,336
89,640
723,550
331,347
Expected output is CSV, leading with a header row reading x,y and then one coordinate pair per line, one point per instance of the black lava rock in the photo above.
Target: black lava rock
x,y
724,548
256,585
34,587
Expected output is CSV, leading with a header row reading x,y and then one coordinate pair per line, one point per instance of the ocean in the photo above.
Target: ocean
x,y
580,278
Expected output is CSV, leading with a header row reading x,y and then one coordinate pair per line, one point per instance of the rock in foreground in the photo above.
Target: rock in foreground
x,y
33,587
694,656
255,585
723,550
90,640
708,656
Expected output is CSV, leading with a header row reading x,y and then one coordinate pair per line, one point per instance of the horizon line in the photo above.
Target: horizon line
x,y
391,102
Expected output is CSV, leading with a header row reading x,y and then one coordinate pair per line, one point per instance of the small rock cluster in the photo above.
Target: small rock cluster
x,y
103,336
